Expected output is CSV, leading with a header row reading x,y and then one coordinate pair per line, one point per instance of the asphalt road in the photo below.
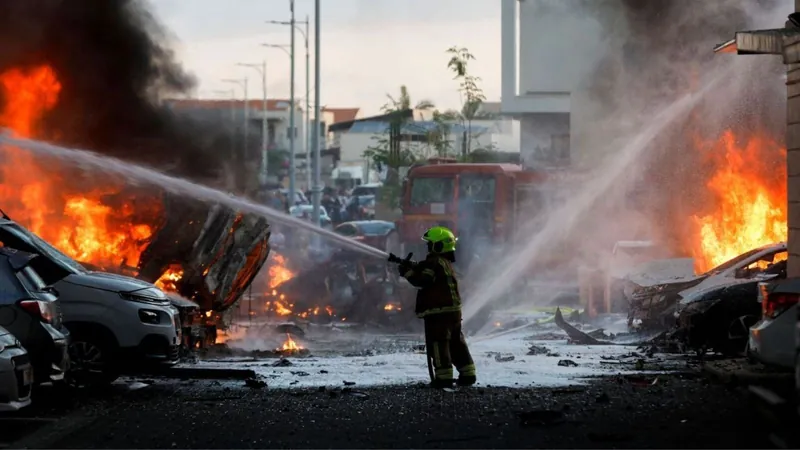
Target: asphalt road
x,y
618,412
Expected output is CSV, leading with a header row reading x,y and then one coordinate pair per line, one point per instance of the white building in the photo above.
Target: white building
x,y
547,49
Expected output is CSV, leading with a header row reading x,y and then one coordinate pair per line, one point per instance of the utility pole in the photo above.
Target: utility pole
x,y
243,84
317,186
264,172
308,125
292,169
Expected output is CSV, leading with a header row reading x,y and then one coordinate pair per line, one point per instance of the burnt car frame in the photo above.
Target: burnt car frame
x,y
717,314
653,307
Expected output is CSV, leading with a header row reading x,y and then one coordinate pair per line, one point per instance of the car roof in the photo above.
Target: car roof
x,y
367,222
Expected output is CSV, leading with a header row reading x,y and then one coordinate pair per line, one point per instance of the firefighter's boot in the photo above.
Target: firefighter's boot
x,y
466,374
442,384
467,380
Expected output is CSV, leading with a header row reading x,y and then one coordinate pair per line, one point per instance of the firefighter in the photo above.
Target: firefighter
x,y
439,305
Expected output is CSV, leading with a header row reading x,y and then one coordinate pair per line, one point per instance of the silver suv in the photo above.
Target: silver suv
x,y
116,323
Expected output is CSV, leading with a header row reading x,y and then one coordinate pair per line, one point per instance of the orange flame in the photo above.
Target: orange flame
x,y
168,281
281,308
751,201
290,345
278,272
35,194
224,336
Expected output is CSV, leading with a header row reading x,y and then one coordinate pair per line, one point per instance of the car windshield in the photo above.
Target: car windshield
x,y
40,246
375,228
429,190
363,200
733,262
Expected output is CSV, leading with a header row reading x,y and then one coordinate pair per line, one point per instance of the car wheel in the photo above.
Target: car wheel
x,y
90,361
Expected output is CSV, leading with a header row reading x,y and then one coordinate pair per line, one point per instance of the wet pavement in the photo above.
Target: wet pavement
x,y
634,411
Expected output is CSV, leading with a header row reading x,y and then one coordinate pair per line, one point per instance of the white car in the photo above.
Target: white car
x,y
16,373
306,212
771,340
115,322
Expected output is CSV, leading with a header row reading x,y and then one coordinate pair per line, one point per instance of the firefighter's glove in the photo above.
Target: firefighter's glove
x,y
403,269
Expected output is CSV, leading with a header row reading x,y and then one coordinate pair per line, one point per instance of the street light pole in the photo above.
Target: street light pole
x,y
264,175
307,122
308,108
317,185
291,113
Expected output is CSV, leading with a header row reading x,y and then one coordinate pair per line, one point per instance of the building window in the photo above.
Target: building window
x,y
322,129
289,133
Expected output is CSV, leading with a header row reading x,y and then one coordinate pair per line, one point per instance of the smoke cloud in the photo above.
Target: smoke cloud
x,y
115,66
628,61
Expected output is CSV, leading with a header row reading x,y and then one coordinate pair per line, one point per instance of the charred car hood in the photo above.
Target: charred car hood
x,y
672,287
714,283
107,282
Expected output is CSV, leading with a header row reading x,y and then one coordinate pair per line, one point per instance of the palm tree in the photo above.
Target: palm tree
x,y
403,102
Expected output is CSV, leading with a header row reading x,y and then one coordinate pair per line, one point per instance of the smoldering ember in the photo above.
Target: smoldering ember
x,y
571,231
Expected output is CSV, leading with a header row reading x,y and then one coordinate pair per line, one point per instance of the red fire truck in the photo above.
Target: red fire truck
x,y
484,204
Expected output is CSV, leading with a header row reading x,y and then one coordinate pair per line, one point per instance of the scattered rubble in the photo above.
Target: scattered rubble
x,y
255,383
537,350
567,363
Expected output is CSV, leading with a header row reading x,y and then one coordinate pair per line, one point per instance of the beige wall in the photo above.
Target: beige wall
x,y
792,60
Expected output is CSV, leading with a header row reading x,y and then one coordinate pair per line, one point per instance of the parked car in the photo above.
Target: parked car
x,y
16,373
116,322
772,338
717,313
797,360
374,233
29,310
653,306
306,211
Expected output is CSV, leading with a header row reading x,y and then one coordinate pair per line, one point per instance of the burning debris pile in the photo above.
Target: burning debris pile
x,y
336,291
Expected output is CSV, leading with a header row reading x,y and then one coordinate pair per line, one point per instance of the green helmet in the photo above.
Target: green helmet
x,y
442,239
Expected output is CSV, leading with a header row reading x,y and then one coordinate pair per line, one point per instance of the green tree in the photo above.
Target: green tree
x,y
381,153
472,96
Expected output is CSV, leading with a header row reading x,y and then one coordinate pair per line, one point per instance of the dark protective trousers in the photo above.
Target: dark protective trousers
x,y
446,346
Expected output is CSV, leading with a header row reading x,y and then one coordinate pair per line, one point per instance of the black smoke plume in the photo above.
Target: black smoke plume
x,y
112,59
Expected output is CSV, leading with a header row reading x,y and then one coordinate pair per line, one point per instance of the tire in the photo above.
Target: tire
x,y
91,358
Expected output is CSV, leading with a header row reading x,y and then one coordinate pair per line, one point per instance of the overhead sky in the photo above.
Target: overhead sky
x,y
368,47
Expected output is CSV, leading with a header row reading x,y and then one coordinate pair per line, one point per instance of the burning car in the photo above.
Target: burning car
x,y
653,306
113,320
718,312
